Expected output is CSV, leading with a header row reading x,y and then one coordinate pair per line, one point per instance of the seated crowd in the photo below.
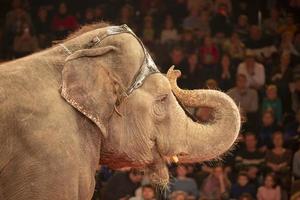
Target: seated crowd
x,y
250,51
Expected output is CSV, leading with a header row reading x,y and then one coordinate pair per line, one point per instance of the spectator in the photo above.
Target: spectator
x,y
63,22
226,74
209,56
192,21
292,130
169,33
43,27
250,157
14,25
25,42
193,78
122,185
296,46
296,165
88,16
127,16
289,25
270,190
272,24
244,96
279,159
246,196
216,185
148,193
177,58
148,31
178,195
204,26
99,13
272,103
235,48
187,41
242,27
268,127
183,183
253,70
260,46
220,23
242,186
226,3
296,96
286,45
282,78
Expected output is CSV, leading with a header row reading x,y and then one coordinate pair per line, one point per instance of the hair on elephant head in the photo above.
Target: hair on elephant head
x,y
152,128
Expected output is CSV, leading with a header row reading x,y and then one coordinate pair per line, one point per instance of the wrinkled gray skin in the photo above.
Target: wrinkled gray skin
x,y
51,142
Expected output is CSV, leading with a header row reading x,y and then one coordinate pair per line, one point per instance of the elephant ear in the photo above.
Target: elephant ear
x,y
88,86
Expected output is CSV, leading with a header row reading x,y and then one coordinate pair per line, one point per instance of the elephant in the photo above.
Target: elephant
x,y
98,98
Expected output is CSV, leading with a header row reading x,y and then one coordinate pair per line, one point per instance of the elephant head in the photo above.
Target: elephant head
x,y
149,126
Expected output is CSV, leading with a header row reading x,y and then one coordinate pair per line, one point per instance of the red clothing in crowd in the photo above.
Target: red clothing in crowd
x,y
64,23
209,55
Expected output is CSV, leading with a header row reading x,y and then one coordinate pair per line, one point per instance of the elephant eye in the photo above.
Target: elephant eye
x,y
163,98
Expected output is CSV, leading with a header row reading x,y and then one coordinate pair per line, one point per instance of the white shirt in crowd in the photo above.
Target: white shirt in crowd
x,y
257,79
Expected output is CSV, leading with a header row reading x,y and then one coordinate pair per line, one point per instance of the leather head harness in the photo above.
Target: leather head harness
x,y
147,68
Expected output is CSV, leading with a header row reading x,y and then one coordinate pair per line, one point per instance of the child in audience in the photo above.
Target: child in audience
x,y
242,186
273,102
269,190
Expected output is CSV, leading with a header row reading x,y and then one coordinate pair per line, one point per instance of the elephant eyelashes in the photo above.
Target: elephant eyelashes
x,y
160,107
163,98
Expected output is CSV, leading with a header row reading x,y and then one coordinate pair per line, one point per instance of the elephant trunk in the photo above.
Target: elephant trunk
x,y
207,141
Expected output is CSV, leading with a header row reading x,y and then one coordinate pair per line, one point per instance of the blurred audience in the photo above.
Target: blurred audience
x,y
249,50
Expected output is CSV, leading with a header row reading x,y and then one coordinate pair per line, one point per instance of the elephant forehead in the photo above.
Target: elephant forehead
x,y
157,83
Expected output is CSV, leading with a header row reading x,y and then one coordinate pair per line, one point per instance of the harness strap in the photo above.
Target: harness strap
x,y
147,68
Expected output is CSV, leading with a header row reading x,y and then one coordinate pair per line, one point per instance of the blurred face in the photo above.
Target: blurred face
x,y
181,171
148,193
243,180
298,116
169,23
241,82
125,12
250,63
98,12
42,13
269,182
278,140
188,36
180,197
297,85
250,142
193,59
62,8
135,177
285,60
89,15
274,14
252,172
207,41
267,119
225,61
242,21
271,93
235,37
177,56
204,17
255,33
218,171
290,21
